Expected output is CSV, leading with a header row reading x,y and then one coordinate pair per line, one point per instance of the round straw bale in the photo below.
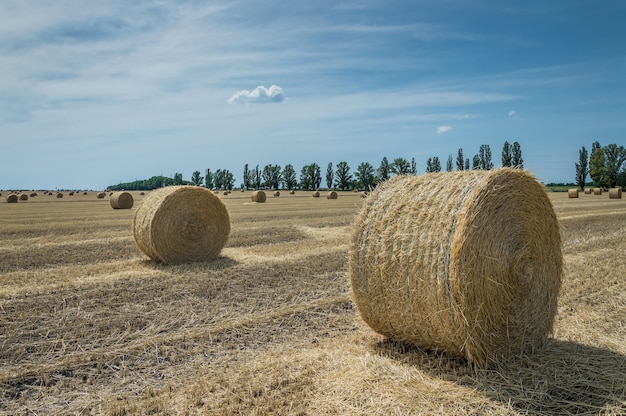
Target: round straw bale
x,y
59,195
12,198
258,196
332,195
101,195
465,262
292,192
615,193
588,191
597,191
121,200
276,194
316,194
142,193
33,194
23,197
179,224
572,193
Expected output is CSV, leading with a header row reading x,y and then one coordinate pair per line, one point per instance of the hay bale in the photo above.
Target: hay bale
x,y
588,191
101,195
23,197
142,193
316,194
71,194
12,198
292,192
276,194
597,191
332,195
615,193
466,262
59,195
572,193
179,224
121,200
33,194
258,196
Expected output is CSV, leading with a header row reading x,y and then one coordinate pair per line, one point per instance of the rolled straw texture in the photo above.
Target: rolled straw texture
x,y
332,195
180,224
597,191
121,200
258,196
572,193
465,262
615,193
12,198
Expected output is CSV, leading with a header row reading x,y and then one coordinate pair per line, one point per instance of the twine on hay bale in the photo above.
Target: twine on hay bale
x,y
121,200
258,196
12,198
23,197
332,195
572,193
179,224
615,193
316,194
597,191
467,262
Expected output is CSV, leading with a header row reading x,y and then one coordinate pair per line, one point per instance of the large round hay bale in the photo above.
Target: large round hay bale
x,y
23,197
572,193
597,191
258,196
12,198
121,200
615,193
466,262
316,194
332,195
179,224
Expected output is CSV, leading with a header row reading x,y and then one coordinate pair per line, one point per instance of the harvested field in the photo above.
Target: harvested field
x,y
89,325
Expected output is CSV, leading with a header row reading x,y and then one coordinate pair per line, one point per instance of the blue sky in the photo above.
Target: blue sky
x,y
95,93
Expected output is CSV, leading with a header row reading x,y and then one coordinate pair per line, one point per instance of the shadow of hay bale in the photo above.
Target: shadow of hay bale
x,y
562,378
220,263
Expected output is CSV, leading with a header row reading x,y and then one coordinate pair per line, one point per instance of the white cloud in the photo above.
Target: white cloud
x,y
259,95
512,114
443,129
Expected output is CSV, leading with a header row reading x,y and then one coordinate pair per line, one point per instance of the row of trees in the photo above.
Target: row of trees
x,y
366,176
606,166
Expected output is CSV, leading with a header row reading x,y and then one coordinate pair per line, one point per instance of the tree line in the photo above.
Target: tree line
x,y
606,166
366,176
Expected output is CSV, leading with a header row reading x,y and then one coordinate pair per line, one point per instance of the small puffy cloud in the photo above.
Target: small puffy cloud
x,y
443,129
512,114
259,95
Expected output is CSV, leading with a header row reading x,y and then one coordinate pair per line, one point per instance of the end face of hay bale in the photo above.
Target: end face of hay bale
x,y
180,224
121,200
258,196
615,193
465,262
572,193
332,195
276,194
12,198
316,194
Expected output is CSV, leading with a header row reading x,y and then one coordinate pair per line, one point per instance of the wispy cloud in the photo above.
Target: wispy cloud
x,y
513,114
259,95
443,129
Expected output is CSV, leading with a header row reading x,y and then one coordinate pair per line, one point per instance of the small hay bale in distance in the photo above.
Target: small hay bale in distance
x,y
59,195
332,195
572,193
12,198
316,194
588,191
33,194
276,194
615,193
121,200
23,197
597,191
101,195
467,262
181,224
292,192
258,196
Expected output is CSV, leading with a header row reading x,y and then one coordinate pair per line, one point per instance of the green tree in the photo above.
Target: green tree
x,y
306,181
582,168
449,164
597,164
257,179
271,176
476,162
460,159
400,166
615,156
516,156
467,164
196,179
413,167
507,155
433,165
316,175
383,170
484,154
343,178
289,177
178,179
208,179
246,176
365,175
329,175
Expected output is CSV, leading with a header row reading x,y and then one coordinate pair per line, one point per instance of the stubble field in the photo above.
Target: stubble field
x,y
89,325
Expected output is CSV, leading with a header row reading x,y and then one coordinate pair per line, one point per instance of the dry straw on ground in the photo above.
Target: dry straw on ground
x,y
572,193
615,193
597,191
121,200
12,198
467,262
179,224
258,196
332,195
